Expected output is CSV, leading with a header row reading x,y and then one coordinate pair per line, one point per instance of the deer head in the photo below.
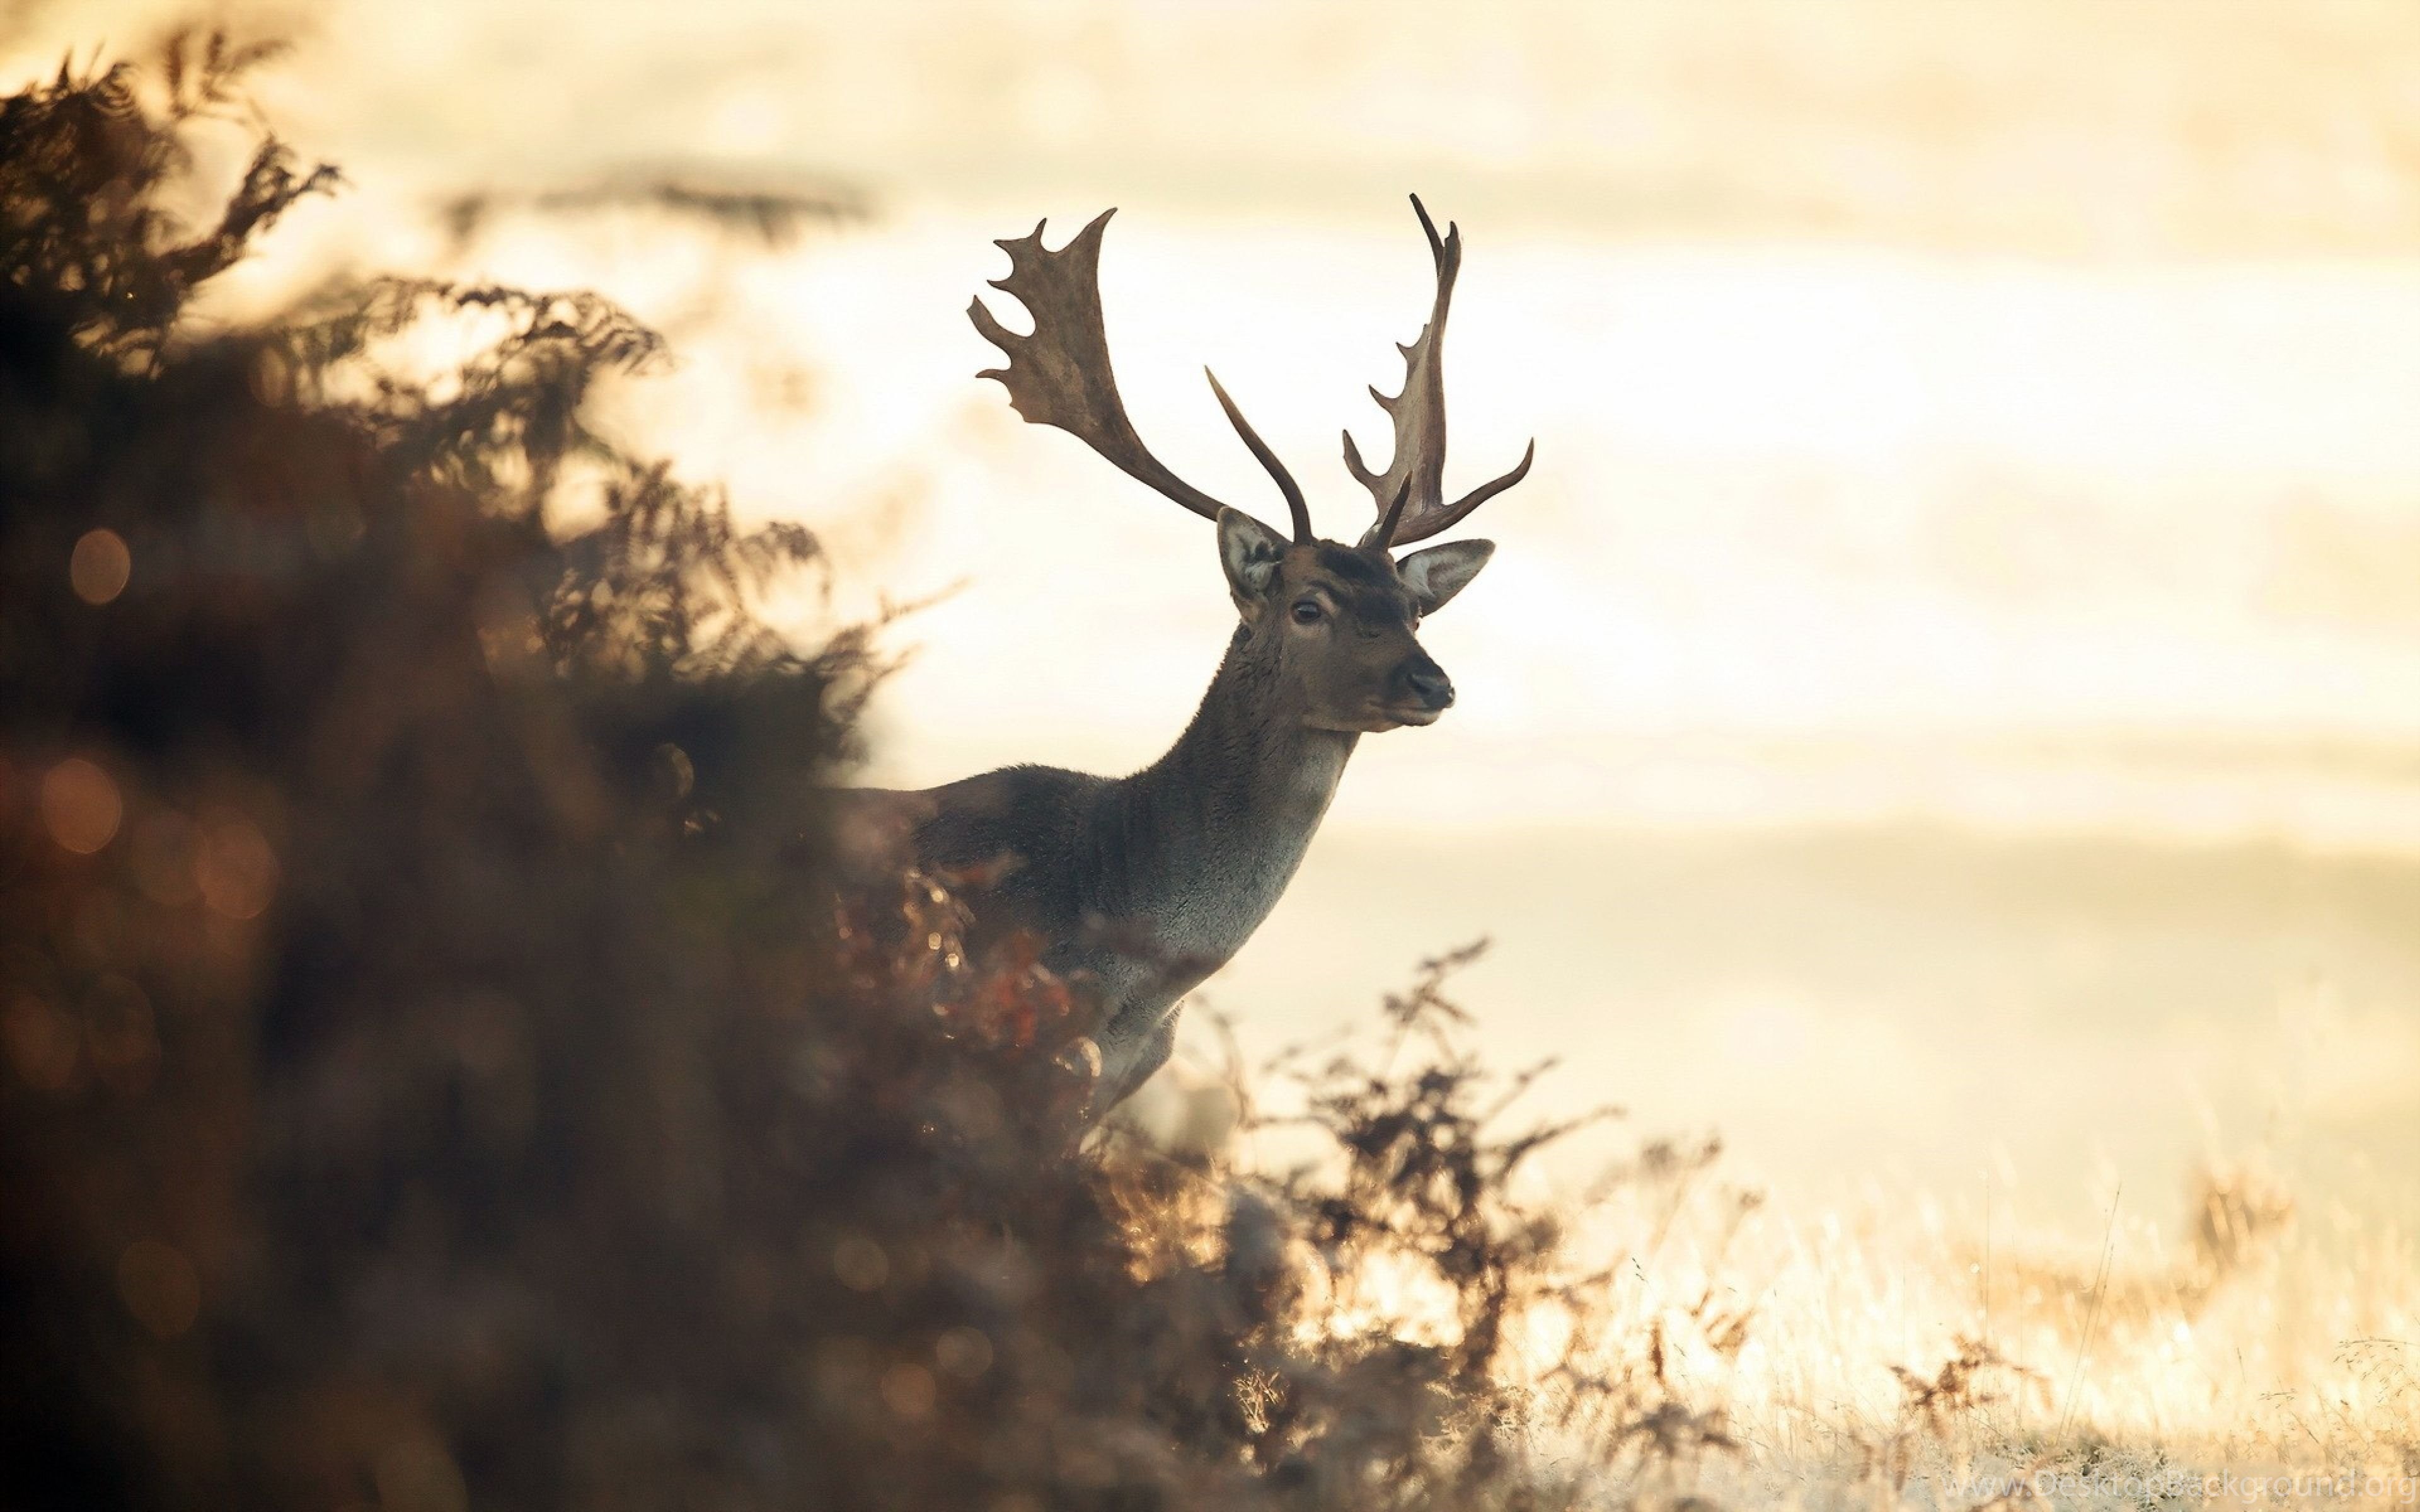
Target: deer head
x,y
1337,622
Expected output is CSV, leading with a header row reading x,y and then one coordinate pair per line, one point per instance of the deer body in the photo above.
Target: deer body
x,y
1144,885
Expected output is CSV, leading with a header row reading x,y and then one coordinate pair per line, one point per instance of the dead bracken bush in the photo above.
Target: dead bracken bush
x,y
1941,1412
433,1069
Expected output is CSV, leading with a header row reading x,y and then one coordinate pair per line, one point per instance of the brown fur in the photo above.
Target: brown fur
x,y
1142,885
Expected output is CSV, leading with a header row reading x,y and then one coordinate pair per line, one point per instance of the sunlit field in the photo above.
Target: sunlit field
x,y
1943,723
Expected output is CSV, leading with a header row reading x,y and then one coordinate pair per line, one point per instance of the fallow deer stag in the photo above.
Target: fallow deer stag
x,y
1146,884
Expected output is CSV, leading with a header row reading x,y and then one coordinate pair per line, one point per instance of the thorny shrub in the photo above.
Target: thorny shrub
x,y
434,1068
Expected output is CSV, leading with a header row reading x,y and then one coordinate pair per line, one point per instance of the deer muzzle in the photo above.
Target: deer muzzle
x,y
1421,691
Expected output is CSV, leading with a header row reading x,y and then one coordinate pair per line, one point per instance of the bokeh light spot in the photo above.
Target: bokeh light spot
x,y
80,805
272,377
964,1352
908,1391
419,1476
860,1263
100,566
41,1044
235,869
158,1287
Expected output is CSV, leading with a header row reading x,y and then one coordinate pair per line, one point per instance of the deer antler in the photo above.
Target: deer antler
x,y
1060,375
1418,411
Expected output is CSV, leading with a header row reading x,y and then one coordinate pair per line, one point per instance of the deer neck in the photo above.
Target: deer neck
x,y
1231,808
1248,761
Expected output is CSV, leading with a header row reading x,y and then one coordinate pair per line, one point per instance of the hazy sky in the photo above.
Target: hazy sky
x,y
1977,461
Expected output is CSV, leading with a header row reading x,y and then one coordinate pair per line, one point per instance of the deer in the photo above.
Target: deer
x,y
1143,885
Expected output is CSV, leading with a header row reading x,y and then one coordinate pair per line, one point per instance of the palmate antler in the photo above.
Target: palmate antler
x,y
1410,494
1060,375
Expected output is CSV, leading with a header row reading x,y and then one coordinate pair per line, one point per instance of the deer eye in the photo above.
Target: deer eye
x,y
1309,612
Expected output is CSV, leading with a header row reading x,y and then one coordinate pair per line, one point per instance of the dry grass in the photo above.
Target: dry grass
x,y
1873,1372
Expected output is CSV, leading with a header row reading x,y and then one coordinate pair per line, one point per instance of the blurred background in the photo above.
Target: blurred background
x,y
1947,709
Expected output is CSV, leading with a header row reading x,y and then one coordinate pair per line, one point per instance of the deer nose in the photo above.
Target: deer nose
x,y
1430,684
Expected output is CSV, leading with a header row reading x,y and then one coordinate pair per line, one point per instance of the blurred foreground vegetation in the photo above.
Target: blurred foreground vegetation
x,y
437,1072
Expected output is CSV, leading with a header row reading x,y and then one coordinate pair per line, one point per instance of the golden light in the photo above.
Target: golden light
x,y
80,805
235,869
99,566
1945,712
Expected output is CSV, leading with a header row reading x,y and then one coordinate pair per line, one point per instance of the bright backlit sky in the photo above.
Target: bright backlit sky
x,y
1963,619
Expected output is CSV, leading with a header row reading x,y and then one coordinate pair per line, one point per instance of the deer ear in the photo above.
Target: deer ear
x,y
1250,552
1438,573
